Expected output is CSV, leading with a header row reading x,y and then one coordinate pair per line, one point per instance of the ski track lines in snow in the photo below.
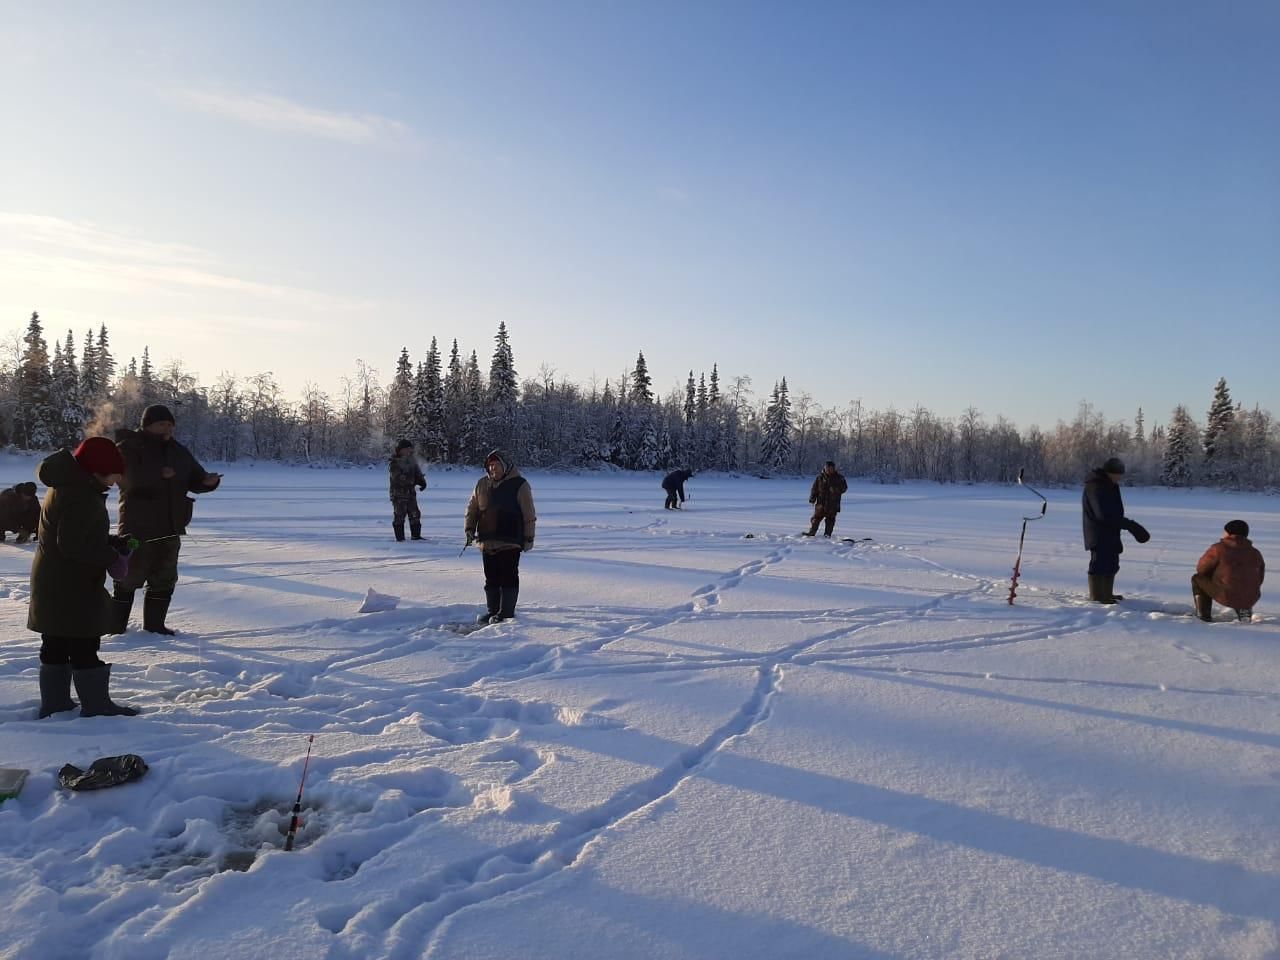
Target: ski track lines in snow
x,y
238,699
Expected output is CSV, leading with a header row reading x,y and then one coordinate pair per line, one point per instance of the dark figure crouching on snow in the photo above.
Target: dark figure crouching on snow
x,y
673,483
19,511
70,607
828,487
500,516
159,472
1103,520
1231,572
405,475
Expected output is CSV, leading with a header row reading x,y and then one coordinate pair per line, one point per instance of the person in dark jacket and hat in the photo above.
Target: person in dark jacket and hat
x,y
673,483
405,475
501,517
19,511
828,487
1104,518
155,509
1230,572
70,607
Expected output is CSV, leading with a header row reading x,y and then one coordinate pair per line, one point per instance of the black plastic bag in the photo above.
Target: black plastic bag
x,y
103,772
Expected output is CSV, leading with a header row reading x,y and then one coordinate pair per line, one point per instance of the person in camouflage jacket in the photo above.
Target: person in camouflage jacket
x,y
405,474
828,487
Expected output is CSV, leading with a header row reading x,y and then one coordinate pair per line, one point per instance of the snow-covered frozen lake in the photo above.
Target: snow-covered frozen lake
x,y
704,736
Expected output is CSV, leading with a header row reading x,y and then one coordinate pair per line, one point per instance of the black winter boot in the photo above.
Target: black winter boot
x,y
399,529
507,609
415,529
1110,584
154,610
95,701
493,603
122,606
1100,589
1204,606
55,689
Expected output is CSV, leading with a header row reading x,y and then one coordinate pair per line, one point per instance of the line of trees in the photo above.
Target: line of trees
x,y
455,412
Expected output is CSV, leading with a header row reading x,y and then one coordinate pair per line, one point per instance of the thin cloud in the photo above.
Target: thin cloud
x,y
64,254
285,116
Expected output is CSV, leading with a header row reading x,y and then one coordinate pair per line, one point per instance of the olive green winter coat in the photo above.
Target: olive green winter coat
x,y
68,572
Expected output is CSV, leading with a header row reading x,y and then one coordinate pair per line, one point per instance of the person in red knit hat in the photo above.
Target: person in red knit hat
x,y
70,607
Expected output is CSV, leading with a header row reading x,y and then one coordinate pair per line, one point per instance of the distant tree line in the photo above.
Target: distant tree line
x,y
455,412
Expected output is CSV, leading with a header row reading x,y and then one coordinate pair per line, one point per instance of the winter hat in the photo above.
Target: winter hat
x,y
99,455
401,444
1237,528
1114,465
156,413
500,457
831,463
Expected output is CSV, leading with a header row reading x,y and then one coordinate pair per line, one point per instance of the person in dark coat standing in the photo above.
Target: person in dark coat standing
x,y
828,487
155,509
19,511
1231,572
70,607
405,475
673,483
501,517
1103,520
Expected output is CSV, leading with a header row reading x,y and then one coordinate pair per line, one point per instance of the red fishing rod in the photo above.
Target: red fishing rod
x,y
294,821
1017,564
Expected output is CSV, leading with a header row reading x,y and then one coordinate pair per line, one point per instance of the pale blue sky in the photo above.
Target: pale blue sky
x,y
1011,205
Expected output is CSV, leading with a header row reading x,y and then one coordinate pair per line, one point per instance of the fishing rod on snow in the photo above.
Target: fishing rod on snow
x,y
294,821
1017,564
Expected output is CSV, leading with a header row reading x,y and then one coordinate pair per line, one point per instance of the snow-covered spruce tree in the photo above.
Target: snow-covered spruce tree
x,y
641,383
68,409
106,362
1257,449
419,409
434,444
1219,427
504,391
91,388
454,393
471,430
399,412
147,379
775,448
1181,450
36,421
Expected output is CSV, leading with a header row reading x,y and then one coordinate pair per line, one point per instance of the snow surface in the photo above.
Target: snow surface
x,y
690,743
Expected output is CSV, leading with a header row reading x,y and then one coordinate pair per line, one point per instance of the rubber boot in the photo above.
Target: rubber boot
x,y
95,701
1100,589
507,609
415,529
1110,584
122,607
55,689
154,610
399,529
1204,606
493,603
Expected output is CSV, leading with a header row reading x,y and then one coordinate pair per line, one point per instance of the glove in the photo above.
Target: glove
x,y
118,544
471,538
528,545
422,485
811,500
119,567
1139,532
